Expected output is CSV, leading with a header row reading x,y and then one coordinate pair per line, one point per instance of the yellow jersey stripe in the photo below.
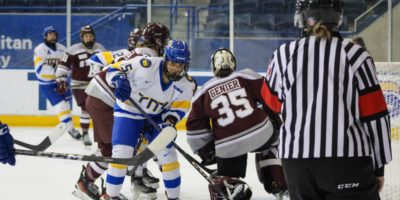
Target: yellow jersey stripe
x,y
47,76
118,166
37,59
108,57
181,104
64,113
170,166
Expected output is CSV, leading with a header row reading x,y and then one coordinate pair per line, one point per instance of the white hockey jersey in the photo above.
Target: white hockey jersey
x,y
108,57
98,87
45,61
148,90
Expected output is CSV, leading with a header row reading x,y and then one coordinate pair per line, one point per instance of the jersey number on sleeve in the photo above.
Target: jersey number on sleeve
x,y
236,98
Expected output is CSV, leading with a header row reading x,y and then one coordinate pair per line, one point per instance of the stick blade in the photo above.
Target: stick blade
x,y
57,132
164,138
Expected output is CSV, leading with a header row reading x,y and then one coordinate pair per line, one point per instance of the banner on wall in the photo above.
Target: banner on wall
x,y
20,34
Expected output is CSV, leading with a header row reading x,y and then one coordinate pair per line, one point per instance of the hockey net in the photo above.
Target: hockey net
x,y
389,78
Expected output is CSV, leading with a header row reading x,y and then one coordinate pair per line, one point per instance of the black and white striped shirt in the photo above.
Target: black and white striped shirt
x,y
330,101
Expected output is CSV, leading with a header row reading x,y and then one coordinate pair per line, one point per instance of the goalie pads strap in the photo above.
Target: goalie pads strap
x,y
233,188
270,173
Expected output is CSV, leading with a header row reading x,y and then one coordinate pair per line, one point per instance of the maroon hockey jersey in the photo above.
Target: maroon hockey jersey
x,y
75,61
227,111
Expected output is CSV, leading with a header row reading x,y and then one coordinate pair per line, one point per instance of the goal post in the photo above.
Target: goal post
x,y
389,79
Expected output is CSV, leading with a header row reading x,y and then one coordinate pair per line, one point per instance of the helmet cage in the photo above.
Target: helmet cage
x,y
310,12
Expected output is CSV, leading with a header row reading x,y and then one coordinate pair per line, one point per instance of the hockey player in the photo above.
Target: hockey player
x,y
335,136
149,41
225,123
162,88
47,56
99,104
6,145
100,60
74,61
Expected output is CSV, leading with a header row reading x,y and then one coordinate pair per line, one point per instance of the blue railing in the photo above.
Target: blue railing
x,y
372,14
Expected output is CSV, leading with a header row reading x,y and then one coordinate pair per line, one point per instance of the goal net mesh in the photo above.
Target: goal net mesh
x,y
389,78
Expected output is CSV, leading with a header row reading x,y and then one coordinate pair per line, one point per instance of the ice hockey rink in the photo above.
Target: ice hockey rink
x,y
50,179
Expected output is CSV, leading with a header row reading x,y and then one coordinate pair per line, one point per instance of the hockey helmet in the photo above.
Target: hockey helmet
x,y
49,29
177,51
223,63
310,12
156,35
87,30
134,37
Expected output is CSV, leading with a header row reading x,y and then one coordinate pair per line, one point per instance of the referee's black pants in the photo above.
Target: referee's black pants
x,y
331,179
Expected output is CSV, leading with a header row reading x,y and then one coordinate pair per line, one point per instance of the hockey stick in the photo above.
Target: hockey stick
x,y
184,154
154,148
55,133
198,166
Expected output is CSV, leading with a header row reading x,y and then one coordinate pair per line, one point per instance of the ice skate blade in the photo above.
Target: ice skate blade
x,y
81,195
138,195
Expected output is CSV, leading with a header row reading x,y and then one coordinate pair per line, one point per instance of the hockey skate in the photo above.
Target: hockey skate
x,y
104,195
85,189
150,180
75,134
120,197
142,191
86,140
171,198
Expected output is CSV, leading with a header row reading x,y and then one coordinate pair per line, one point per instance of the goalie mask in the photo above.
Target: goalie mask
x,y
310,12
223,63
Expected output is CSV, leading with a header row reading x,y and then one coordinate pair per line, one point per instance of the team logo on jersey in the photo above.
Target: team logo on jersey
x,y
145,62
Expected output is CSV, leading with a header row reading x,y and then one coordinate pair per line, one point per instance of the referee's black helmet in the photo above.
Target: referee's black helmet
x,y
310,12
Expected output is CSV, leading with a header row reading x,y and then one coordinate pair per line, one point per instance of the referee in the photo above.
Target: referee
x,y
335,137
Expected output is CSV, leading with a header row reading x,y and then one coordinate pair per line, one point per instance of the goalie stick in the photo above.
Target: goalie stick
x,y
154,148
55,133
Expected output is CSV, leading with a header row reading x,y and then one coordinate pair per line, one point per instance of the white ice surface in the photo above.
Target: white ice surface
x,y
36,178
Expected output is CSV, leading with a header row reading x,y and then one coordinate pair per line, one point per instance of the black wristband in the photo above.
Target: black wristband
x,y
380,171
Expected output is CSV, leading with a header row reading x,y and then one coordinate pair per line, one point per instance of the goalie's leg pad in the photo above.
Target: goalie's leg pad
x,y
270,172
233,188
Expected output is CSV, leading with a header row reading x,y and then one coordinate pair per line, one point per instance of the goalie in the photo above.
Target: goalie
x,y
230,102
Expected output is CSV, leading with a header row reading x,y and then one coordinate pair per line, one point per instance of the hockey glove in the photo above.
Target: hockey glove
x,y
6,145
166,124
207,154
122,87
61,85
95,68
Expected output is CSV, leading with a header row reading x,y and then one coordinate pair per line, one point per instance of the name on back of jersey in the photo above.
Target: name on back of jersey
x,y
223,88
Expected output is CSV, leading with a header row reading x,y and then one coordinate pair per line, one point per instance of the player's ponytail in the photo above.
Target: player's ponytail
x,y
319,30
